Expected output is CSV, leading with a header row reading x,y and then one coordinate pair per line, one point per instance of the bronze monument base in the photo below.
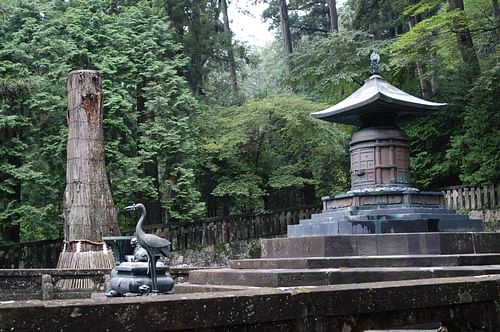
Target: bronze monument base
x,y
384,211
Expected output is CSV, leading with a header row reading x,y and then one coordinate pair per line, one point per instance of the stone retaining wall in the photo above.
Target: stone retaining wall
x,y
459,304
216,255
491,218
28,284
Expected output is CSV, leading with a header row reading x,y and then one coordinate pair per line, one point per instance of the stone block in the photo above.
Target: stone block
x,y
342,245
486,242
382,244
456,243
296,247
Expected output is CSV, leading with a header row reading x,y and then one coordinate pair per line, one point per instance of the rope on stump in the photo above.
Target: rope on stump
x,y
97,256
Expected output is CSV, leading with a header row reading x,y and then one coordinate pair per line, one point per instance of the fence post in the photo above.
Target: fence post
x,y
491,196
497,195
473,204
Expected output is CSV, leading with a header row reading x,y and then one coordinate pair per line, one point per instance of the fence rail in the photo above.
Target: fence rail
x,y
472,198
44,254
228,229
34,254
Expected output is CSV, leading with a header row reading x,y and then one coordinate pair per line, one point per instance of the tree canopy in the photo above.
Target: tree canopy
x,y
200,124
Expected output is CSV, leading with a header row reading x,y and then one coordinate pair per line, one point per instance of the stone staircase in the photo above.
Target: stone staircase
x,y
348,259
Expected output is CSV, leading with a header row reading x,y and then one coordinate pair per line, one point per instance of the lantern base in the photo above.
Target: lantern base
x,y
384,211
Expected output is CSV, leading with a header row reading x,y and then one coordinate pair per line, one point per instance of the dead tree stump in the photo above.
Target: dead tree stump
x,y
88,210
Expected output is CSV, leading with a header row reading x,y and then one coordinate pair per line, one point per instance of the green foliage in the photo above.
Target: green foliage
x,y
177,140
32,112
305,17
440,154
148,133
476,151
421,8
264,75
267,152
333,67
378,17
148,107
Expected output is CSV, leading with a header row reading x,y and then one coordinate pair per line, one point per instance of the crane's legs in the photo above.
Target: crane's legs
x,y
152,269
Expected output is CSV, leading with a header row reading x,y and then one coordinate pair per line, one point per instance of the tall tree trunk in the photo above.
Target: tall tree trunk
x,y
88,207
308,191
425,84
465,44
287,36
496,13
150,168
153,206
229,45
496,9
334,19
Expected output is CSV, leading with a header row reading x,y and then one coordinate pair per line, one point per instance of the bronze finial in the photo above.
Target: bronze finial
x,y
375,59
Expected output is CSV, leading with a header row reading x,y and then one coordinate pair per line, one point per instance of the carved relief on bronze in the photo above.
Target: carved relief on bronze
x,y
426,200
384,199
343,202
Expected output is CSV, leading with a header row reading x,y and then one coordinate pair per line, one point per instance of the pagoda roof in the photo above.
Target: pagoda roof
x,y
379,97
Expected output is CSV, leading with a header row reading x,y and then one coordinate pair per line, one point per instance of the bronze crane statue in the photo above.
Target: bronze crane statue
x,y
151,243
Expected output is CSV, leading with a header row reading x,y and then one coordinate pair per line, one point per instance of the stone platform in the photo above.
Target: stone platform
x,y
382,244
333,283
461,304
384,211
345,259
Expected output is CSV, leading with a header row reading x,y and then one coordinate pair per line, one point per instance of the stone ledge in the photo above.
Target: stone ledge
x,y
25,284
469,300
382,244
332,276
366,261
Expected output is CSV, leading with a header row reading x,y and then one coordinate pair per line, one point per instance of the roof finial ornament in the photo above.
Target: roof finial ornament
x,y
374,58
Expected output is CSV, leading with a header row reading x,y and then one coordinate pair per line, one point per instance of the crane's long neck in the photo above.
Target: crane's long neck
x,y
138,227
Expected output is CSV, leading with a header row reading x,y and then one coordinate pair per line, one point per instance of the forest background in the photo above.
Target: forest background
x,y
200,124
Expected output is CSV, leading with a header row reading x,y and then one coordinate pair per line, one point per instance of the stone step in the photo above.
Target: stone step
x,y
369,225
187,287
382,244
324,228
410,216
330,215
367,261
405,210
331,276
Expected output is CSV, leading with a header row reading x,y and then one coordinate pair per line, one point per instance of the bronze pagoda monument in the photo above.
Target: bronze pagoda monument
x,y
381,199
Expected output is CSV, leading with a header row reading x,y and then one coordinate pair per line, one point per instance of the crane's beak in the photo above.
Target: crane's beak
x,y
130,208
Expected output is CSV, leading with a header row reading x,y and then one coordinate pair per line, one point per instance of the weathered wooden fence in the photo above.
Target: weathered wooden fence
x,y
40,254
472,198
227,229
34,254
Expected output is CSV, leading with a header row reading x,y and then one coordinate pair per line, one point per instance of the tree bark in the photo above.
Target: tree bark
x,y
496,9
89,212
150,168
425,84
229,45
153,206
287,37
496,14
465,44
334,19
308,191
